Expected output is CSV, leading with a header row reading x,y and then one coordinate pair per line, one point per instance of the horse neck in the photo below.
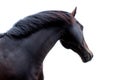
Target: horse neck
x,y
40,43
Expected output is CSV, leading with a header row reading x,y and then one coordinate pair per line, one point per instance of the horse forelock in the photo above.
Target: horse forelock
x,y
33,23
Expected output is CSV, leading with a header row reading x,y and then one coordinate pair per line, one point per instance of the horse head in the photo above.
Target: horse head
x,y
73,39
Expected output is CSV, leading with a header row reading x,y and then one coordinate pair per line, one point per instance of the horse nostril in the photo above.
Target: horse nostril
x,y
90,57
91,54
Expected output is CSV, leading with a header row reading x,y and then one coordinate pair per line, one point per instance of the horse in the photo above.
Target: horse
x,y
23,48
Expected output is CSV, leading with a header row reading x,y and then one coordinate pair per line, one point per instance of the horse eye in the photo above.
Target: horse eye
x,y
81,26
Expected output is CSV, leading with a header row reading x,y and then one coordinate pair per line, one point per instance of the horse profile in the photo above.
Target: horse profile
x,y
24,47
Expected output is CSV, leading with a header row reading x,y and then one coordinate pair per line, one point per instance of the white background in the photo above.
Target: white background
x,y
101,20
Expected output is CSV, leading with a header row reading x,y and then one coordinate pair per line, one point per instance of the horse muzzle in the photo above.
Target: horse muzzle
x,y
86,55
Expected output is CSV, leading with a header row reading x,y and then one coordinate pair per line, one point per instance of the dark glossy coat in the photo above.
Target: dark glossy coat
x,y
24,47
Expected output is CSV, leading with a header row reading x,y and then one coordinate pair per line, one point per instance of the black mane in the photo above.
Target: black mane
x,y
33,23
1,35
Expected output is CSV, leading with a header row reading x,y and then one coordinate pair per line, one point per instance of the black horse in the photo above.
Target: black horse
x,y
24,47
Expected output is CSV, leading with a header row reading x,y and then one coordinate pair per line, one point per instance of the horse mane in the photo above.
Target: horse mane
x,y
33,23
2,35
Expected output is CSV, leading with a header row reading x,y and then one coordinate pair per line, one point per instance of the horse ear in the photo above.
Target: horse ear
x,y
74,11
